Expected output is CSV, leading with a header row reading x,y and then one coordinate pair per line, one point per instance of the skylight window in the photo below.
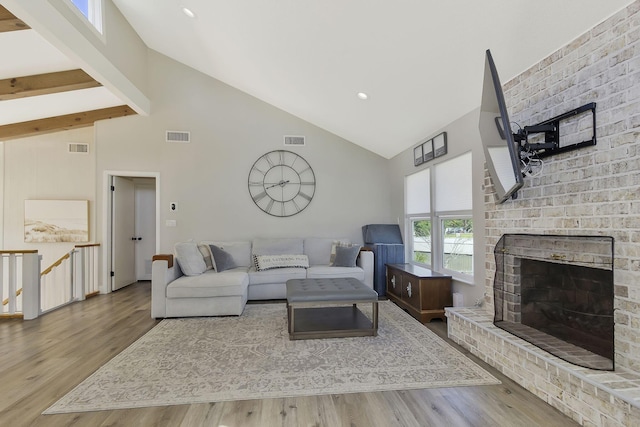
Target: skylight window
x,y
92,10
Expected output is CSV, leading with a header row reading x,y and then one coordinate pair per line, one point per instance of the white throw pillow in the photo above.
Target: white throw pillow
x,y
268,262
190,259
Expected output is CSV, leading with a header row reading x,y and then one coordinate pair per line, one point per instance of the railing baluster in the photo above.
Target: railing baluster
x,y
3,283
12,284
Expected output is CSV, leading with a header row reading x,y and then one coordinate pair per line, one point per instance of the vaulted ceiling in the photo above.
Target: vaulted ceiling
x,y
419,61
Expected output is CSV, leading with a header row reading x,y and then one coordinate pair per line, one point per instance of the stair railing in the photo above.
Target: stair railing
x,y
73,277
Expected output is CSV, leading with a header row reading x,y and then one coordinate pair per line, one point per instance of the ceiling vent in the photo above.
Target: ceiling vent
x,y
293,140
178,136
75,147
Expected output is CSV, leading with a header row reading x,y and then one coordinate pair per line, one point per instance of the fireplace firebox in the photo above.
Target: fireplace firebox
x,y
556,292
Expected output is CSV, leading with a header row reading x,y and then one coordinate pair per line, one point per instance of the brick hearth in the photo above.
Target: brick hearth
x,y
590,397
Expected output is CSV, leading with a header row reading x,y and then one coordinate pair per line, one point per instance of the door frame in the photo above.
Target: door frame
x,y
107,218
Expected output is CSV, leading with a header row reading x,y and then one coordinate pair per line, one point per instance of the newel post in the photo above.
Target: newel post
x,y
31,285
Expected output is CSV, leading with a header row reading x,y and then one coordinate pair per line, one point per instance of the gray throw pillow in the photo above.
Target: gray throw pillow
x,y
222,259
346,256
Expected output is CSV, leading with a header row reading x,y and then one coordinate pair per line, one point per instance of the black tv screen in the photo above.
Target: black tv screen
x,y
500,149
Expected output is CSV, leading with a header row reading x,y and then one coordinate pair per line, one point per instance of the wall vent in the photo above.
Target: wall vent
x,y
178,136
78,148
294,140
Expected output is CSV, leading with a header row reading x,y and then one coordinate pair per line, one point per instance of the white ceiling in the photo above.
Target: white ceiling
x,y
420,61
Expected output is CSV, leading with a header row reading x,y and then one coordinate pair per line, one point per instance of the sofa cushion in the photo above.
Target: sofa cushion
x,y
276,275
327,272
278,247
222,259
318,249
268,262
240,251
346,256
210,284
189,258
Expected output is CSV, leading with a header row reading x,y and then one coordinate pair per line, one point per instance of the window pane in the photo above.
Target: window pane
x,y
418,193
83,6
454,185
458,245
421,241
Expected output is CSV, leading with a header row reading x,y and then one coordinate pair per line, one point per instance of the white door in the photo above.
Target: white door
x,y
123,237
145,226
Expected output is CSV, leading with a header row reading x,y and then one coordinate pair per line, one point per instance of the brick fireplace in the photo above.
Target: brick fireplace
x,y
593,191
556,292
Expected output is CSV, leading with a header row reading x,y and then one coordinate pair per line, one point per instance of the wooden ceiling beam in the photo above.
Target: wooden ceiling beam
x,y
43,84
9,22
60,123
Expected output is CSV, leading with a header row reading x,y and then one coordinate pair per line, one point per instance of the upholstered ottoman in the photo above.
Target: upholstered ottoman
x,y
316,308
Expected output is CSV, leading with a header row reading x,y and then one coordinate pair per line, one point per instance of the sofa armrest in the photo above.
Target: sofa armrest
x,y
163,272
365,261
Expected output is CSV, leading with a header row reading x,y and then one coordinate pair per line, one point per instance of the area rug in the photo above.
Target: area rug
x,y
197,360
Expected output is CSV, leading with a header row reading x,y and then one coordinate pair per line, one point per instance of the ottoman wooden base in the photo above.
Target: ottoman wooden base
x,y
314,309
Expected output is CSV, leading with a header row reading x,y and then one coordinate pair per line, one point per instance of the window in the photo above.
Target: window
x,y
418,208
421,241
92,10
439,225
453,210
457,254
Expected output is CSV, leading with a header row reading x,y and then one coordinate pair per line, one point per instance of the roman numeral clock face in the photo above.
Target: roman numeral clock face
x,y
281,183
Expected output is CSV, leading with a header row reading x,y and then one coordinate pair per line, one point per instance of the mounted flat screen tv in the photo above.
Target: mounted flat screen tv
x,y
501,151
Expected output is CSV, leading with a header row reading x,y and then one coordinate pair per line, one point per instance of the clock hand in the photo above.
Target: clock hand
x,y
281,184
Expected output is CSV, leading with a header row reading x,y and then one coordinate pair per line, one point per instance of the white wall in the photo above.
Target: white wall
x,y
208,177
41,167
462,136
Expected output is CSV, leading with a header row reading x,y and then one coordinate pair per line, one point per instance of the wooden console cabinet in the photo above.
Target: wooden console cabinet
x,y
421,292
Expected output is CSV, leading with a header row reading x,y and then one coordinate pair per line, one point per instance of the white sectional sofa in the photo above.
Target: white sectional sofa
x,y
230,273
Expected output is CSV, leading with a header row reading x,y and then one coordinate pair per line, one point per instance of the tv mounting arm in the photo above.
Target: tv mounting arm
x,y
551,130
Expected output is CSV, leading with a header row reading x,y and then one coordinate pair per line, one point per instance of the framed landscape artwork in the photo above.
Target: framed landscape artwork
x,y
53,221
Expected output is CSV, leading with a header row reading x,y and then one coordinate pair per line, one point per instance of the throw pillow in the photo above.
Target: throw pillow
x,y
334,245
346,256
190,259
206,255
222,259
268,262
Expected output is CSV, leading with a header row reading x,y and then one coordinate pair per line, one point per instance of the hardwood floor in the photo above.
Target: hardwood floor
x,y
42,359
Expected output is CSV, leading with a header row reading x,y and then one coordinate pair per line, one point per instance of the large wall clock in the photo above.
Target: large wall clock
x,y
281,183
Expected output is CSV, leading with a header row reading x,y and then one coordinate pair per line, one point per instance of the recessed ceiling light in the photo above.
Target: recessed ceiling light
x,y
188,12
362,95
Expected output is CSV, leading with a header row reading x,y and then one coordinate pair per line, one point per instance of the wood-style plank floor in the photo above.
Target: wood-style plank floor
x,y
42,359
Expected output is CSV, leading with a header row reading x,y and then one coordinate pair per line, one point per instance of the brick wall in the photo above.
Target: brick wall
x,y
594,190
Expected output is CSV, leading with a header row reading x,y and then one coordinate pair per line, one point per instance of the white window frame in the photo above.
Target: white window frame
x,y
95,18
437,231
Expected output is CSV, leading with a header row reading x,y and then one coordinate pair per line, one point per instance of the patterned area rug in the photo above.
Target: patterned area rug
x,y
197,360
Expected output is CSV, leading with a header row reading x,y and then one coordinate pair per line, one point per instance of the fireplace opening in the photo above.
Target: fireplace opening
x,y
556,292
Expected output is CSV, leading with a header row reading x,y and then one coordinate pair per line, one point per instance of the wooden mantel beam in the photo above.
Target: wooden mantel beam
x,y
43,84
59,123
8,22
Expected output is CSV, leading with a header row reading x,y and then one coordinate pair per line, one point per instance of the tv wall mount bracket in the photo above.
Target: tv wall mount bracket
x,y
551,130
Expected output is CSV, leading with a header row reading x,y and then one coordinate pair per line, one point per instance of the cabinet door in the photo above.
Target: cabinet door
x,y
394,282
411,291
